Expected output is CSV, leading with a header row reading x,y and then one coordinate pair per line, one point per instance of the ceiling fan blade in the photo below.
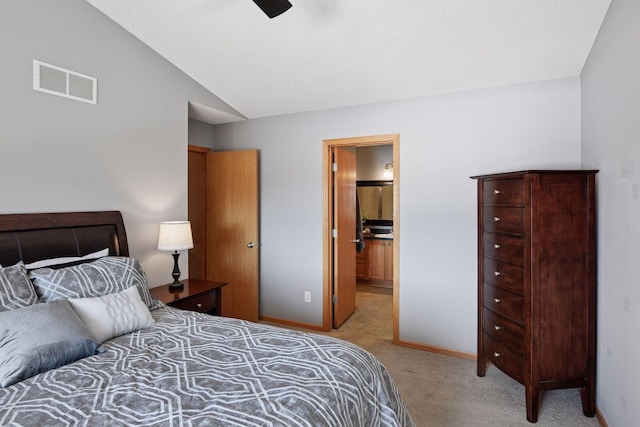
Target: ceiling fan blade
x,y
273,8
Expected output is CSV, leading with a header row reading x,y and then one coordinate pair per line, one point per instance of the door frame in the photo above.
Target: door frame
x,y
327,209
199,220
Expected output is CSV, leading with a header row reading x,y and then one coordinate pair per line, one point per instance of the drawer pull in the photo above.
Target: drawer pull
x,y
199,305
497,300
496,245
497,327
496,354
497,219
496,192
496,273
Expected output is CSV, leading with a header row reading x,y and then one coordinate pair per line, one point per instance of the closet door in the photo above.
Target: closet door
x,y
232,230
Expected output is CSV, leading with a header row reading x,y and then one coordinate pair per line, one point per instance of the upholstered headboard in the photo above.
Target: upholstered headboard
x,y
32,237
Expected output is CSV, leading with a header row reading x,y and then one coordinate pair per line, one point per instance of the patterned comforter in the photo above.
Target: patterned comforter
x,y
197,370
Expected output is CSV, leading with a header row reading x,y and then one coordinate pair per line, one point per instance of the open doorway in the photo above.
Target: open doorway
x,y
330,294
374,262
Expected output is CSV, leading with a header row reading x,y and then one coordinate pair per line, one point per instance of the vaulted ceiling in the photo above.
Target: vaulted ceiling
x,y
331,53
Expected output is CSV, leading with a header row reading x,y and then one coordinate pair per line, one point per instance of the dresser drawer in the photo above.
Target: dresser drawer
x,y
203,303
504,248
504,275
504,192
504,358
504,303
503,330
503,220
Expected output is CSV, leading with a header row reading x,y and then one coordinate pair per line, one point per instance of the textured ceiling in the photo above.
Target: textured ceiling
x,y
330,53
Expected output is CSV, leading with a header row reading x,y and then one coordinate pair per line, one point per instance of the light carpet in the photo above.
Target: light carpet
x,y
444,391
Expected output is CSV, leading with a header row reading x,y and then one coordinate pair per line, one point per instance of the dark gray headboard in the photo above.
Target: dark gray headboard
x,y
32,237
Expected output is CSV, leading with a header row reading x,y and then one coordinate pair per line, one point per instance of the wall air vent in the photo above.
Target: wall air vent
x,y
66,83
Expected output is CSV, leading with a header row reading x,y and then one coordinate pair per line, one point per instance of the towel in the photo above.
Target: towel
x,y
359,232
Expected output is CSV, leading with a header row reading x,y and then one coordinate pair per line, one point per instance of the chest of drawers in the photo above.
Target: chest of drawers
x,y
536,281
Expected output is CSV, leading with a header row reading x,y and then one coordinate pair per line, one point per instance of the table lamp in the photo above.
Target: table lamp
x,y
175,236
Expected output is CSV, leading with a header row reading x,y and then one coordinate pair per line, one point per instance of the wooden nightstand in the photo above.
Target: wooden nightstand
x,y
197,295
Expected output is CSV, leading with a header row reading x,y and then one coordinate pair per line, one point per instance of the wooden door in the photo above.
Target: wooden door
x,y
344,222
232,230
197,211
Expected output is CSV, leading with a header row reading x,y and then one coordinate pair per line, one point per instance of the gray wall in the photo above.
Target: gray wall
x,y
200,134
443,140
611,143
127,153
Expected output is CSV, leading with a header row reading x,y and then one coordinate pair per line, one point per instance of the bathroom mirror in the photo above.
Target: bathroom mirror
x,y
376,199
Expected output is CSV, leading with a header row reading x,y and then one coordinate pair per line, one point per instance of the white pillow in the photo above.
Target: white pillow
x,y
113,315
64,260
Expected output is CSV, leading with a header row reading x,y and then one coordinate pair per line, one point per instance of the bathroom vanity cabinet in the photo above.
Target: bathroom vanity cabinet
x,y
374,265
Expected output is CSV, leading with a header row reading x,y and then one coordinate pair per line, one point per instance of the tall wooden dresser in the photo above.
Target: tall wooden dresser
x,y
537,280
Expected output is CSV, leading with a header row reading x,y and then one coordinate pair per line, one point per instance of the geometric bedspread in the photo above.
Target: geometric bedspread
x,y
191,369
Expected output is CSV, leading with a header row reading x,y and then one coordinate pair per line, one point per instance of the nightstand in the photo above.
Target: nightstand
x,y
202,296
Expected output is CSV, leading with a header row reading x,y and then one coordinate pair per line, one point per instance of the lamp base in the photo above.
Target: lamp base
x,y
176,287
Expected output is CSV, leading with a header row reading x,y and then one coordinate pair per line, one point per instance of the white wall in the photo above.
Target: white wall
x,y
443,140
611,143
127,153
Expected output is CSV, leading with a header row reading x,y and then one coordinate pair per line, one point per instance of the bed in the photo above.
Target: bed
x,y
175,367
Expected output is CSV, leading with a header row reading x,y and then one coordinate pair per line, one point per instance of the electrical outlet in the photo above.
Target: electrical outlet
x,y
307,296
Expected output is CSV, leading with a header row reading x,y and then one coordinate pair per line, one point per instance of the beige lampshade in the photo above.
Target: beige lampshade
x,y
175,236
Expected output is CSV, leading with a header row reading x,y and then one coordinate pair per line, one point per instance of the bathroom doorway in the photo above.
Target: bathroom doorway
x,y
374,261
381,267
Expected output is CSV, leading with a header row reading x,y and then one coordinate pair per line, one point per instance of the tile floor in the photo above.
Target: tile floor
x,y
373,315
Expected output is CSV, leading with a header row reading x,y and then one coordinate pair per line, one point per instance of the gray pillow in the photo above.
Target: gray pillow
x,y
104,276
39,338
16,290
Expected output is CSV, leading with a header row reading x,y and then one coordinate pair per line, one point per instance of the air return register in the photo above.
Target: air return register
x,y
66,83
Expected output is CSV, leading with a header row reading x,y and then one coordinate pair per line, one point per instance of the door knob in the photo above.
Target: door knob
x,y
356,241
250,245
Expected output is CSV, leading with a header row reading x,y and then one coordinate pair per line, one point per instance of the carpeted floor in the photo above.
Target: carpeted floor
x,y
444,391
